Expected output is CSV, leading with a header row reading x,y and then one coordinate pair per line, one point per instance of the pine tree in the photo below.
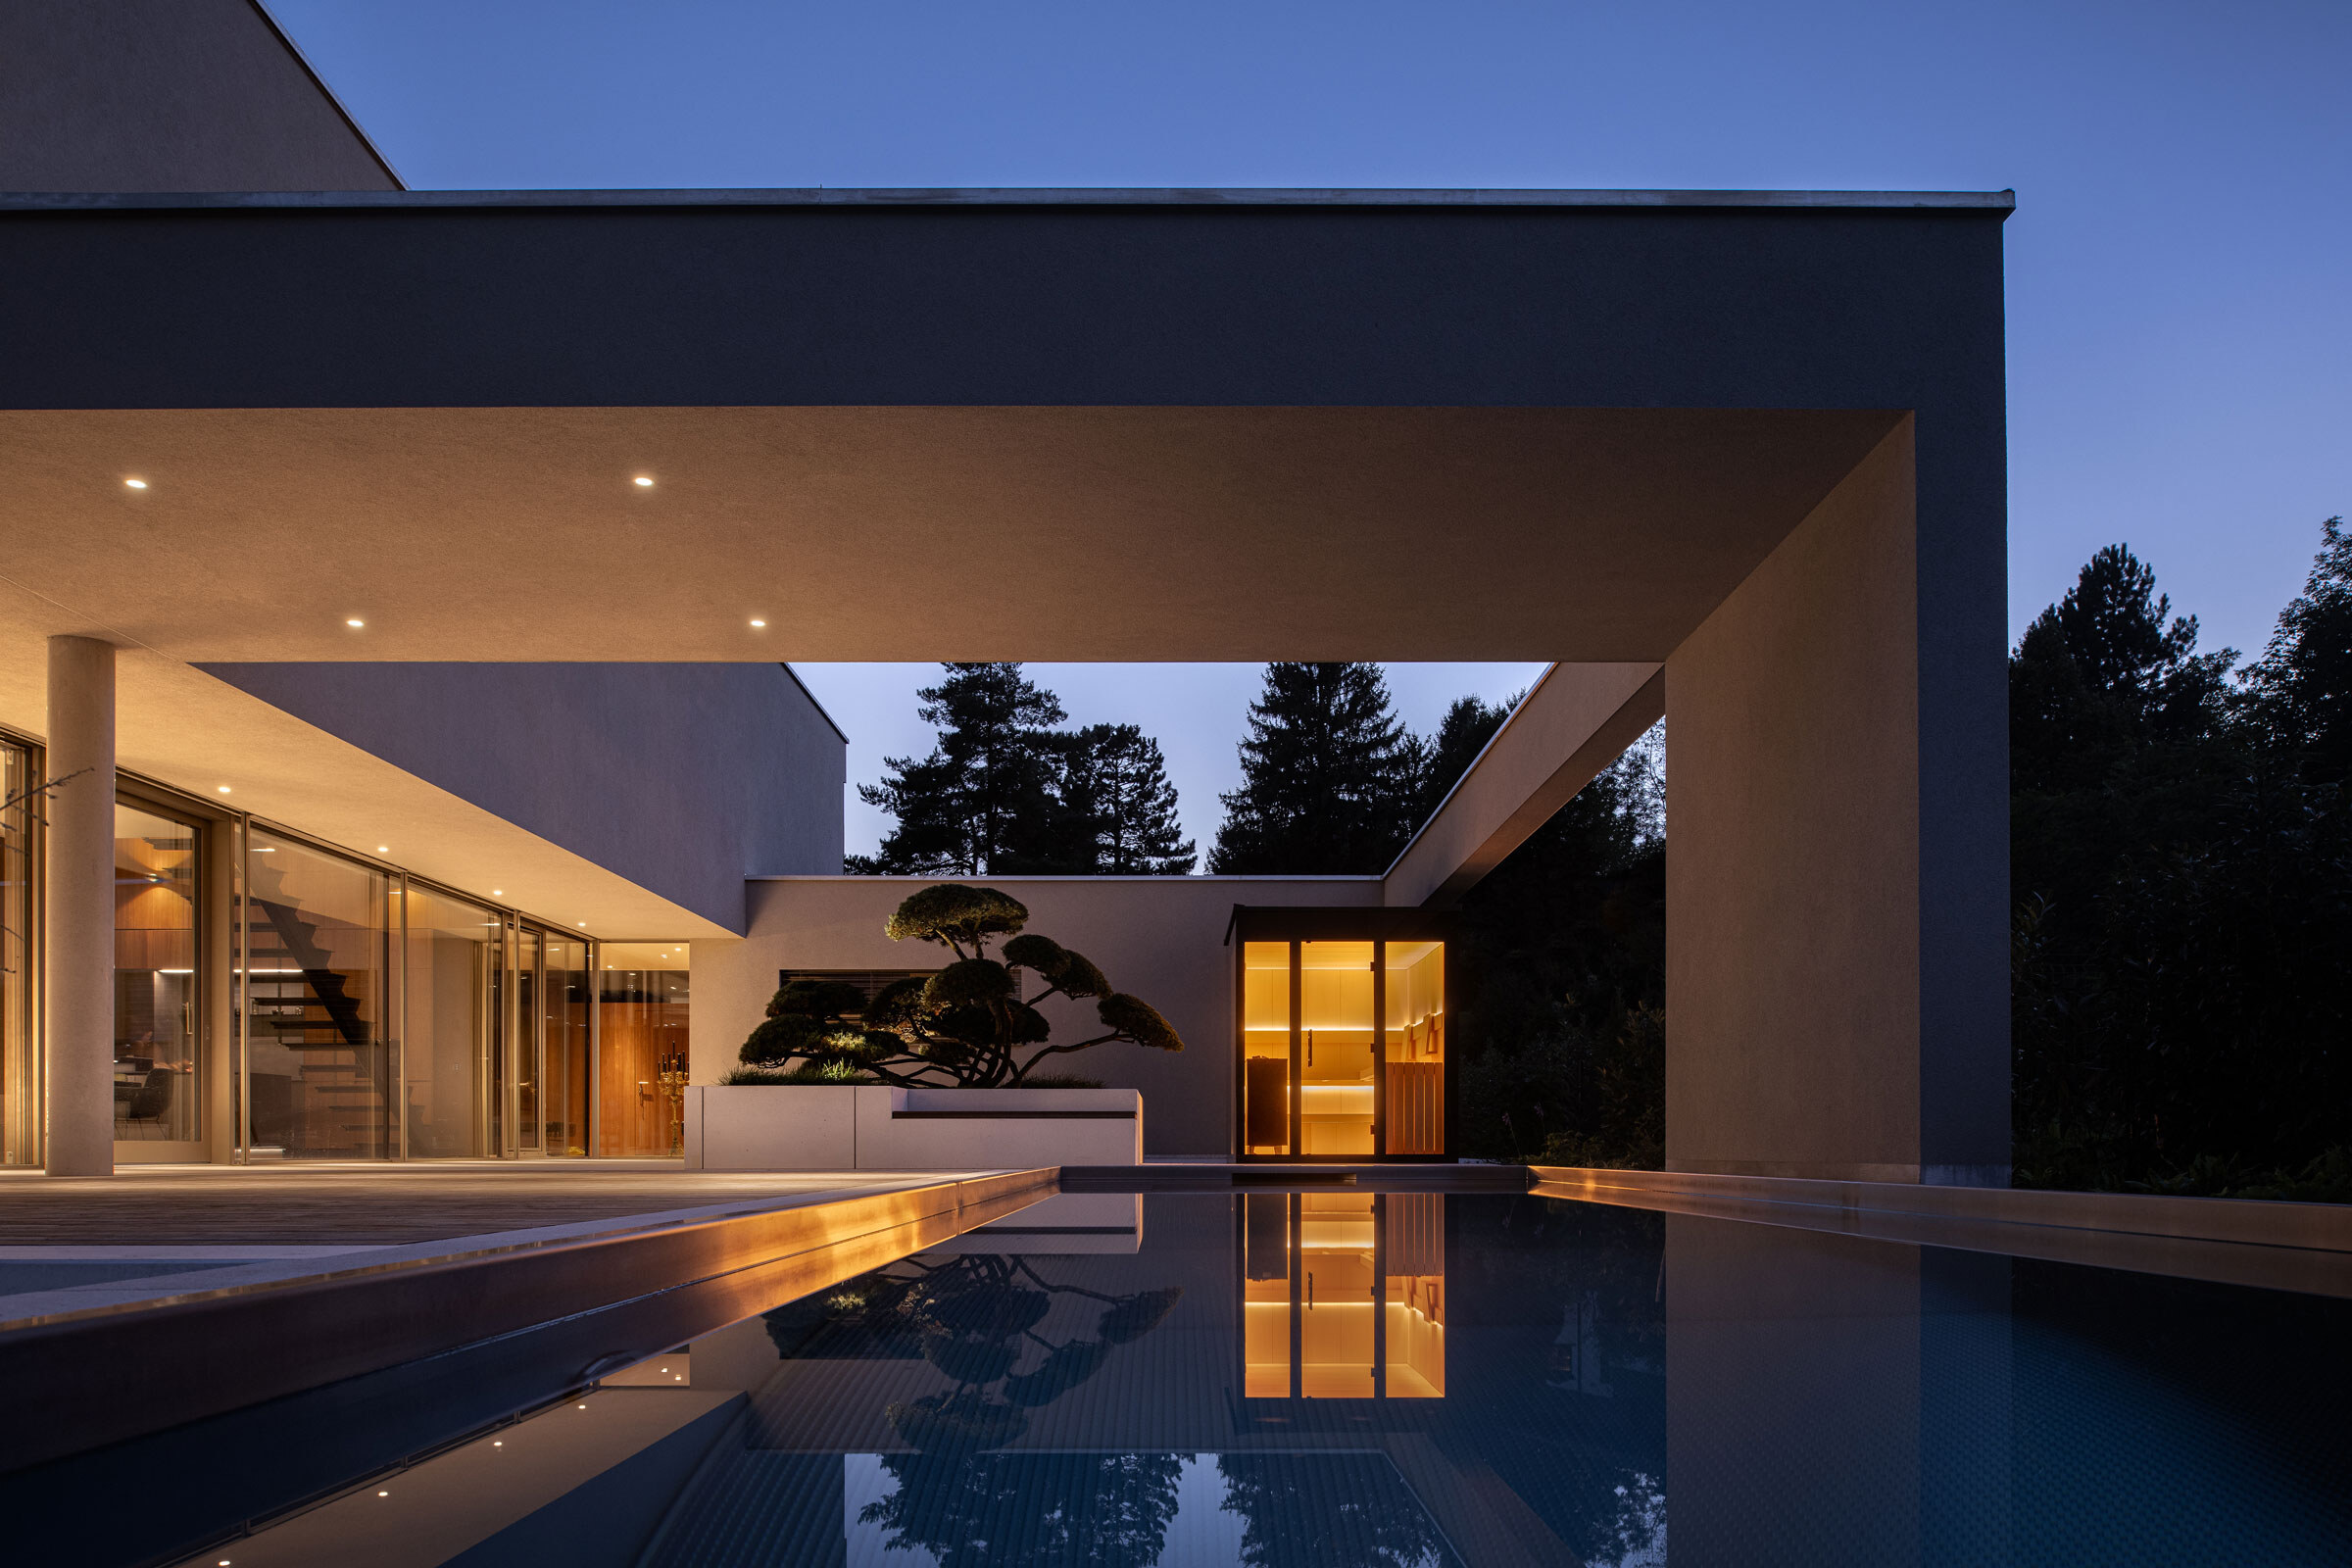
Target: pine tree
x,y
1116,782
2301,688
1330,779
1461,735
985,801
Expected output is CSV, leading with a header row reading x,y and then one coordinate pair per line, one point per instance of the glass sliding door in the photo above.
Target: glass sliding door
x,y
1340,1034
527,1121
1415,986
1337,1090
319,939
455,971
641,1048
1267,1029
564,997
19,1078
156,1020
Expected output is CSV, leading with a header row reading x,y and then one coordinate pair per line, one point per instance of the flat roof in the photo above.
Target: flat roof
x,y
1994,201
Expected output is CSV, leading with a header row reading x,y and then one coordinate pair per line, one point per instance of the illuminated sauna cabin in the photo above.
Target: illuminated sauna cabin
x,y
1342,1033
1342,1296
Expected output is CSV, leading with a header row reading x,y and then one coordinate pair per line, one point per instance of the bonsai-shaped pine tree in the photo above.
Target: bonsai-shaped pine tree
x,y
968,1025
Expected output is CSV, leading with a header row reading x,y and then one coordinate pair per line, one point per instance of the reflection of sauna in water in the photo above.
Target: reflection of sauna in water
x,y
1342,1296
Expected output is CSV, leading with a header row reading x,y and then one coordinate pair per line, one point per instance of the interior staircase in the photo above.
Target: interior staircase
x,y
338,1096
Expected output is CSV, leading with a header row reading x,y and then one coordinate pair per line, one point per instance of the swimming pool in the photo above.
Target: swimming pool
x,y
1334,1377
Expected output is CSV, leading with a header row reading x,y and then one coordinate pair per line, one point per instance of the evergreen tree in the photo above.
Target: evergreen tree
x,y
987,800
2301,688
1116,782
1461,735
1330,780
2106,672
2181,866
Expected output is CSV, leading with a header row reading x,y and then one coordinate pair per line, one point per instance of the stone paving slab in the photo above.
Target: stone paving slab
x,y
118,1277
169,1209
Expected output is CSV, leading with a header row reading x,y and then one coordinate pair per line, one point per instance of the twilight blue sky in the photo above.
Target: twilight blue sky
x,y
2179,276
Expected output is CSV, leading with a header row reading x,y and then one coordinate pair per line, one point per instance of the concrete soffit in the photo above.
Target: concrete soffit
x,y
1572,725
195,733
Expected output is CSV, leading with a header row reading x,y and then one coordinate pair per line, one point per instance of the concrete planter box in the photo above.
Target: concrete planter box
x,y
828,1127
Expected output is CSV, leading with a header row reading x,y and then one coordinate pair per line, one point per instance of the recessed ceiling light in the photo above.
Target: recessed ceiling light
x,y
383,849
224,789
759,623
497,893
583,925
355,622
135,484
644,484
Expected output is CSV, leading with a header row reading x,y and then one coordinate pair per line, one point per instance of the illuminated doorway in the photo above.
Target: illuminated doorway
x,y
1340,1035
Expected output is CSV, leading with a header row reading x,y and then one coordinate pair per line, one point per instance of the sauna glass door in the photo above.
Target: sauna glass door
x,y
1413,1007
1266,1018
1338,1027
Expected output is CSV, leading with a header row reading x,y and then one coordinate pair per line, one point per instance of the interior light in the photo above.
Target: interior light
x,y
644,484
355,622
497,1443
759,625
383,849
224,789
497,893
383,1494
582,924
135,484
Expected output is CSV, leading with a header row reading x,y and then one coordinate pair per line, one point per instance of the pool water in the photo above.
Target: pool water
x,y
1411,1378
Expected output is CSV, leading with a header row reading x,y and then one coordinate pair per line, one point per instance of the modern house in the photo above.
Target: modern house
x,y
402,750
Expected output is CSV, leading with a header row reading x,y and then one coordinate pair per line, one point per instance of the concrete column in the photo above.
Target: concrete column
x,y
78,911
1837,881
216,963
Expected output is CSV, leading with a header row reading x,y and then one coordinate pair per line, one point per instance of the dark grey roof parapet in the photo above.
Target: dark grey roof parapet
x,y
260,9
1996,201
813,702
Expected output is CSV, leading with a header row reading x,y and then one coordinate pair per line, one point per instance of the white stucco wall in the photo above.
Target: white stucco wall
x,y
1159,937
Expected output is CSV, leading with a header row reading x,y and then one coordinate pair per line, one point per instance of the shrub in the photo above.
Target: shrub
x,y
968,1026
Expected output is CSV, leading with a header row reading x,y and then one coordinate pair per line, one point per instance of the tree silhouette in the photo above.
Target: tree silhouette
x,y
1029,1510
968,1024
1115,784
985,800
1330,779
1328,1510
2181,861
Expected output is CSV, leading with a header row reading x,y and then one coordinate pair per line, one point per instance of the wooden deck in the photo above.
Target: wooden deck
x,y
208,1205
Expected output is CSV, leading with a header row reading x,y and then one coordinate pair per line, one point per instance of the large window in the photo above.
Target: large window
x,y
454,970
20,1079
320,933
641,1048
564,987
157,1025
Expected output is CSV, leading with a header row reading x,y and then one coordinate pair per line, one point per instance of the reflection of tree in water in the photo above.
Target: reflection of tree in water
x,y
1592,1466
1326,1510
1030,1510
975,1319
